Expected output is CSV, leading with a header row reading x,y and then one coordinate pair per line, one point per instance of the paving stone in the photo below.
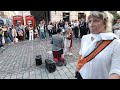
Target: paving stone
x,y
32,76
18,61
69,74
64,76
38,76
57,77
61,72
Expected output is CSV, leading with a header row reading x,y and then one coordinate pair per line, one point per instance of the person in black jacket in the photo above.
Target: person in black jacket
x,y
83,27
1,32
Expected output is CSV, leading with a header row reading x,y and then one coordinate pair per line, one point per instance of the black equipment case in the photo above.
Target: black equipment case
x,y
38,60
50,65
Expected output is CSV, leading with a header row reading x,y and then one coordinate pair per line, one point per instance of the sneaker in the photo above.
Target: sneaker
x,y
2,48
65,62
1,45
70,54
9,44
59,63
67,53
12,42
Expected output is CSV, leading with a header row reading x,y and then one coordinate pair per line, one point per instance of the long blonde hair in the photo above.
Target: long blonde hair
x,y
69,30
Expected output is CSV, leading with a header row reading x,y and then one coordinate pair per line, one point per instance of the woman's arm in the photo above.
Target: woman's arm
x,y
115,63
78,62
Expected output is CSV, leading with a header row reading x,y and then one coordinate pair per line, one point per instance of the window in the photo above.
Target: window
x,y
81,15
66,16
29,22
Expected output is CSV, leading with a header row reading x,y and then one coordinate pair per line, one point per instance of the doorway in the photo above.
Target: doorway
x,y
81,15
66,17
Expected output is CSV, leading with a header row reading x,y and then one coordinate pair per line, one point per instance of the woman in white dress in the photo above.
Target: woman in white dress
x,y
68,41
116,28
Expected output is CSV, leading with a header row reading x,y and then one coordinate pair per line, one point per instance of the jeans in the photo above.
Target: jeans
x,y
76,32
31,35
50,33
10,36
42,35
7,40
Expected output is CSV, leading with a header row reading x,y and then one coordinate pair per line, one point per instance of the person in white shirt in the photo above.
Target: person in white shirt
x,y
31,32
14,34
50,26
116,28
106,64
68,41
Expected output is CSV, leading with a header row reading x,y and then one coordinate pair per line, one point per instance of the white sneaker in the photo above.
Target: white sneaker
x,y
9,44
2,48
70,54
12,42
67,53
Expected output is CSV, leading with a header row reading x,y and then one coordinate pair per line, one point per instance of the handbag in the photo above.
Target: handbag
x,y
96,51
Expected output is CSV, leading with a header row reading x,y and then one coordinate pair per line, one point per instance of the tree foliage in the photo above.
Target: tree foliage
x,y
115,16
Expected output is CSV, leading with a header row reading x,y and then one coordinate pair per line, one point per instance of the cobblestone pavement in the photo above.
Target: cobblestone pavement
x,y
17,61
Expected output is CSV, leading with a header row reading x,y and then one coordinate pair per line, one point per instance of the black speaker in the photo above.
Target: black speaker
x,y
50,65
38,60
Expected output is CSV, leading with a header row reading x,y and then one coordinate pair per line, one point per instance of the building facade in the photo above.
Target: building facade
x,y
67,15
7,16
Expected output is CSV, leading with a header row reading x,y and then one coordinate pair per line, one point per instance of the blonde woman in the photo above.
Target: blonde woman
x,y
106,63
14,35
68,41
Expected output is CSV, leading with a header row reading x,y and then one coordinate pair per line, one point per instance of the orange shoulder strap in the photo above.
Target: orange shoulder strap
x,y
81,62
